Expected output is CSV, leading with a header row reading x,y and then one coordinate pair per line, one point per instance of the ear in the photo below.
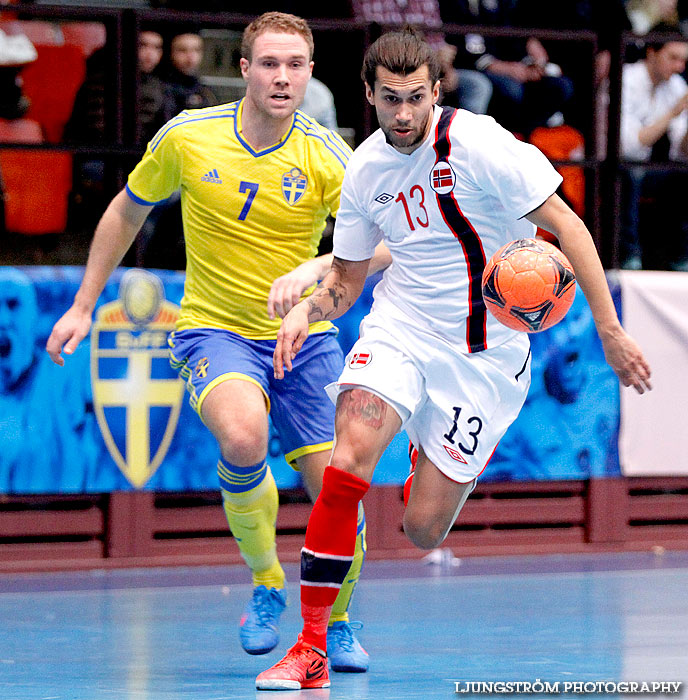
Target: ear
x,y
370,96
436,92
244,64
310,68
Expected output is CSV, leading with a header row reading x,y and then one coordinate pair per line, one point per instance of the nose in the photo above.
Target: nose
x,y
281,76
404,113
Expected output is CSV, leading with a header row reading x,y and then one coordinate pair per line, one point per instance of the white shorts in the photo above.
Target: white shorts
x,y
455,406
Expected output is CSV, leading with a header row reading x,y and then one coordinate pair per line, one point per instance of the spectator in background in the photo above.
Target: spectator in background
x,y
89,124
607,20
654,127
319,104
184,88
527,89
161,241
150,102
461,87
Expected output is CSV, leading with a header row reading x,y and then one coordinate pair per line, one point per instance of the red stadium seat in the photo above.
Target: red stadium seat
x,y
36,190
51,83
88,36
20,131
40,33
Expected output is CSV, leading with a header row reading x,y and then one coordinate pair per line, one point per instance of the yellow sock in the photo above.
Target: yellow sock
x,y
340,609
252,516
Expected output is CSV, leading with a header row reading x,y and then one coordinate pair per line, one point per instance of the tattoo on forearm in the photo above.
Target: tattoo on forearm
x,y
362,406
315,313
325,302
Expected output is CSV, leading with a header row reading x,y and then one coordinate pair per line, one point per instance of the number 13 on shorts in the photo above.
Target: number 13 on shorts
x,y
475,425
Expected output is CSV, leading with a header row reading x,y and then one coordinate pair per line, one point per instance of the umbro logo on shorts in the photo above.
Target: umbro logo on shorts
x,y
360,359
384,198
455,454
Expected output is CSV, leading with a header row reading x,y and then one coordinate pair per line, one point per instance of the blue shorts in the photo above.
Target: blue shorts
x,y
299,408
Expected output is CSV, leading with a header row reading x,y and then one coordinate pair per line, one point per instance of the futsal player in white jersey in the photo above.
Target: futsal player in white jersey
x,y
444,189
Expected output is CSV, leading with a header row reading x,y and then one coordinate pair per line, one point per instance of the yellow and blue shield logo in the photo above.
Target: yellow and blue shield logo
x,y
137,396
294,184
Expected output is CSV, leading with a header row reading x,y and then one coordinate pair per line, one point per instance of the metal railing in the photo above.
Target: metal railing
x,y
339,48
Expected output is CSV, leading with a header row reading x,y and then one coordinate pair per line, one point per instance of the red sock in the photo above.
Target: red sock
x,y
329,550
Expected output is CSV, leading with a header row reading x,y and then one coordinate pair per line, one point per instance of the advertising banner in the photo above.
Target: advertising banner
x,y
116,416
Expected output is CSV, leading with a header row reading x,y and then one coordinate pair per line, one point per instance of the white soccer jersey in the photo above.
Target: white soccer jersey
x,y
443,211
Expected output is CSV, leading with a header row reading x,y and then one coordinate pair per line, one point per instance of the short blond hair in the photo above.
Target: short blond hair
x,y
280,23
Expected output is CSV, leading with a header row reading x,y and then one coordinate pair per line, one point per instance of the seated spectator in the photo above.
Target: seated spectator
x,y
527,89
150,103
461,87
607,20
654,127
184,89
88,123
92,124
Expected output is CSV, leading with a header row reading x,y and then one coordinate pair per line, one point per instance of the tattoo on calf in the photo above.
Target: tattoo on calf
x,y
362,406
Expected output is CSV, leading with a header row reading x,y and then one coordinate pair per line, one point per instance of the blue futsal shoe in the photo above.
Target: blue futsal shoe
x,y
344,651
259,626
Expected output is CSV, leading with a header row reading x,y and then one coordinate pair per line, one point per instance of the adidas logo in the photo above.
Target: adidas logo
x,y
212,176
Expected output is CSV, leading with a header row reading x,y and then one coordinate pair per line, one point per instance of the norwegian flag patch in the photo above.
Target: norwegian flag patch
x,y
442,178
455,454
360,359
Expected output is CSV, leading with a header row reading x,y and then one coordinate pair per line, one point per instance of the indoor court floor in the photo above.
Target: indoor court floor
x,y
171,634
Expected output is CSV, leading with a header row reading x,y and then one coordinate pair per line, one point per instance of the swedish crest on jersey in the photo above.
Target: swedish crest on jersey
x,y
294,184
136,395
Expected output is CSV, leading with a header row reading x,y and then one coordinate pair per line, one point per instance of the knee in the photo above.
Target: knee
x,y
242,446
424,533
352,460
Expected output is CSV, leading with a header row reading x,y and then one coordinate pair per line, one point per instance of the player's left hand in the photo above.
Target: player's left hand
x,y
286,290
290,338
626,359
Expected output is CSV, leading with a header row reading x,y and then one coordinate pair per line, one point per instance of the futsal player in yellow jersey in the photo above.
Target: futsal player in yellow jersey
x,y
257,181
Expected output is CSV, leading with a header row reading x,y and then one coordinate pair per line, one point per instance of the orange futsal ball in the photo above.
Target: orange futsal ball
x,y
529,285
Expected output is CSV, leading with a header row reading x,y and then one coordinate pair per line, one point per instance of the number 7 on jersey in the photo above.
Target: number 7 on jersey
x,y
252,189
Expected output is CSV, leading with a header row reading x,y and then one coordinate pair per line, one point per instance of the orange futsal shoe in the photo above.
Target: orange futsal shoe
x,y
304,666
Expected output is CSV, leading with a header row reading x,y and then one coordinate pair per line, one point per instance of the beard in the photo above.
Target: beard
x,y
401,142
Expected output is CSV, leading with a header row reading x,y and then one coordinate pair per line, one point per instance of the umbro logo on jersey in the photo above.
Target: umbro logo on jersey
x,y
455,454
212,176
360,359
442,178
384,198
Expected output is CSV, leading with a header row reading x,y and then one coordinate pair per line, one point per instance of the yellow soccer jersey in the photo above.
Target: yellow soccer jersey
x,y
249,217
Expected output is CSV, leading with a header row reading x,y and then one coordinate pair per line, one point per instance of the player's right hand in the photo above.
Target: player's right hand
x,y
68,332
290,339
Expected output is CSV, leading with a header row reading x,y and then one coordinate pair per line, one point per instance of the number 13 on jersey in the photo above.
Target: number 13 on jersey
x,y
416,199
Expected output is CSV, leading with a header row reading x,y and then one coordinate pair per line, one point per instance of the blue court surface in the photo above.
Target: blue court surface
x,y
171,634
